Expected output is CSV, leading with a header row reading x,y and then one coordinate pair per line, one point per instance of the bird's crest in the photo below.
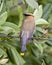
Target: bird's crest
x,y
28,14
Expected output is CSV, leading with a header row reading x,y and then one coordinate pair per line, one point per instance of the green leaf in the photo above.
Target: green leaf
x,y
47,11
12,25
38,13
41,22
1,6
2,53
39,46
19,9
9,63
43,63
8,30
15,57
32,3
40,29
13,54
49,43
50,20
20,20
29,9
1,28
3,18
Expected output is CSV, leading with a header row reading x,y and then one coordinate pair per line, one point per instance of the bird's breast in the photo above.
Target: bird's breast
x,y
28,25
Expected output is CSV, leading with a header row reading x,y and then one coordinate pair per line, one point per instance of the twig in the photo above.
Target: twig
x,y
10,36
43,38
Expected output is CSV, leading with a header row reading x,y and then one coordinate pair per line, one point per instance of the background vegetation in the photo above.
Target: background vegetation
x,y
39,52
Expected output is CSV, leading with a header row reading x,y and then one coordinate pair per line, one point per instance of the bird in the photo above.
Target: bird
x,y
27,30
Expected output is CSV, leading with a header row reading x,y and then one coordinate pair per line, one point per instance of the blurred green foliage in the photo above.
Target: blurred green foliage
x,y
39,52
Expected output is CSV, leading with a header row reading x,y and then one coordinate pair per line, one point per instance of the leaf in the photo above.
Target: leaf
x,y
29,9
49,43
8,30
9,63
19,9
41,22
47,11
35,60
12,25
32,3
40,29
13,54
3,18
39,46
3,61
2,53
20,20
1,6
1,28
38,13
15,57
43,63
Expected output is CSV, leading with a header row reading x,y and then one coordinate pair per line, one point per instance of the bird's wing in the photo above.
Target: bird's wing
x,y
28,26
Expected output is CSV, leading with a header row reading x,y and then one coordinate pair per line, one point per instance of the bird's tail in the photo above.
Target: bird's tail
x,y
24,41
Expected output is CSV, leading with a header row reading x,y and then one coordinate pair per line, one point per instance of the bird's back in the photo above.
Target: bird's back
x,y
29,24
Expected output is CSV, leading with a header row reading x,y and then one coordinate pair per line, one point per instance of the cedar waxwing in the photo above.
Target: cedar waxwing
x,y
27,30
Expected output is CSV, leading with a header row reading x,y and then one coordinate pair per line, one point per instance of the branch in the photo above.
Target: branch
x,y
10,36
43,38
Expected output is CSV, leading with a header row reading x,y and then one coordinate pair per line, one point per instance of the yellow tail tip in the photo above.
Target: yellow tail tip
x,y
22,54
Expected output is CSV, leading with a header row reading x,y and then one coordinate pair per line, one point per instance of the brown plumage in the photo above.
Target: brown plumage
x,y
27,30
